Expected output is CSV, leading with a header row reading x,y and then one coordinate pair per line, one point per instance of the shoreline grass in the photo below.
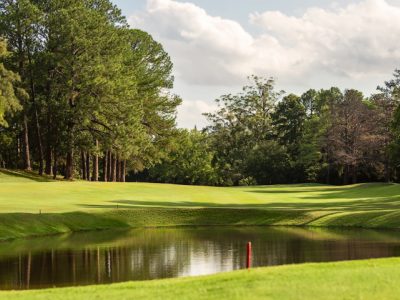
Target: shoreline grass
x,y
16,225
365,279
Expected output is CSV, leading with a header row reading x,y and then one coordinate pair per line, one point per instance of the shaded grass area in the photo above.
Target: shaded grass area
x,y
370,279
21,176
17,225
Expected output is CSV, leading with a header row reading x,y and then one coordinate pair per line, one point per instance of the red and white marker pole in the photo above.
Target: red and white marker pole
x,y
248,261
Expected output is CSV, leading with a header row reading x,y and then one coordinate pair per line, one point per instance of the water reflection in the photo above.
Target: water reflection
x,y
105,257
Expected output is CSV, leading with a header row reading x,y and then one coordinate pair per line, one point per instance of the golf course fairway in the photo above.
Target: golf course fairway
x,y
33,206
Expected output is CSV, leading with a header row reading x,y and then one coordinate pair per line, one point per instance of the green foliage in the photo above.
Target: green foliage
x,y
321,136
189,161
310,152
9,102
248,181
267,163
256,134
390,119
94,84
310,102
241,123
288,120
153,69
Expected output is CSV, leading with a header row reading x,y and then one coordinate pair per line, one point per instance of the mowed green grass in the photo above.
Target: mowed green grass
x,y
24,194
370,279
32,205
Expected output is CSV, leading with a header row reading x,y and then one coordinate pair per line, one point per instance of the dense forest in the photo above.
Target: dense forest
x,y
262,136
84,96
86,88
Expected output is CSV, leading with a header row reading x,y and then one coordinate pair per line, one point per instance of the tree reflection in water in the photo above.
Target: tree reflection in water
x,y
116,256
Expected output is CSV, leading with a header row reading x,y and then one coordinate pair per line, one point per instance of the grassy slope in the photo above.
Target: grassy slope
x,y
371,279
22,176
80,205
67,206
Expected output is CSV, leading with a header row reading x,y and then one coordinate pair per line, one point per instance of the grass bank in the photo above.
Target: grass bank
x,y
371,279
31,205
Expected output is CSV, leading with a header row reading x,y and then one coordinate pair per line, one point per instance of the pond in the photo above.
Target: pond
x,y
144,254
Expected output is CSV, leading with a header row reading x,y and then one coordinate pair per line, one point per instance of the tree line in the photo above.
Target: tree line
x,y
81,94
263,136
84,96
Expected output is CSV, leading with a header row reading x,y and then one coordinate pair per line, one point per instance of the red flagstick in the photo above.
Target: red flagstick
x,y
248,263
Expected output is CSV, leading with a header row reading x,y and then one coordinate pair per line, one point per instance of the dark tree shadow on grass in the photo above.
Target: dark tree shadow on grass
x,y
357,198
25,175
381,204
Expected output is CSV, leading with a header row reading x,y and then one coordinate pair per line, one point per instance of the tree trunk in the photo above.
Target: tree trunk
x,y
105,167
123,170
27,156
95,176
88,166
118,174
49,158
387,170
113,168
120,167
19,150
354,174
49,141
39,141
83,164
21,71
346,175
37,124
328,174
55,166
28,270
69,168
109,172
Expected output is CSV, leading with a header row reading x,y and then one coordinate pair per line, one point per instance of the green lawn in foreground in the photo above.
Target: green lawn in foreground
x,y
370,279
73,206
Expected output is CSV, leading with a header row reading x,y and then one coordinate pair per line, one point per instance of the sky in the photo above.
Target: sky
x,y
216,44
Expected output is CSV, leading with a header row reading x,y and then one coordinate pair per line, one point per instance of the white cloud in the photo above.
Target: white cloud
x,y
205,49
190,113
352,46
356,41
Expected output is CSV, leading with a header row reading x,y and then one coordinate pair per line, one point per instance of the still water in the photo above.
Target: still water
x,y
116,256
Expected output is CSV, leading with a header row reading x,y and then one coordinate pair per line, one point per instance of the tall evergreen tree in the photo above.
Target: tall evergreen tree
x,y
8,94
